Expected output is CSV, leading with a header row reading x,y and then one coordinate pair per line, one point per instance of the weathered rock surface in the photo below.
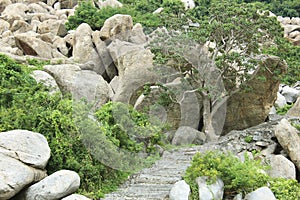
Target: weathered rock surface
x,y
16,175
252,108
55,186
134,64
180,191
47,80
281,167
31,45
117,27
83,49
82,84
263,193
76,197
187,135
289,139
26,146
295,110
212,191
289,93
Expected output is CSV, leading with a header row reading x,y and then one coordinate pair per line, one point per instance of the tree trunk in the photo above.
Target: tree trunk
x,y
207,120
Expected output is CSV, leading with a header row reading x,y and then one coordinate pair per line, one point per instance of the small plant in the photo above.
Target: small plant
x,y
285,189
283,110
248,138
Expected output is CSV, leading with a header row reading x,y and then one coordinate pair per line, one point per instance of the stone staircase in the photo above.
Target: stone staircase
x,y
155,183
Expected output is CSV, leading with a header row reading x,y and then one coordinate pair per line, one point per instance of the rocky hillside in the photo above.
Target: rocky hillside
x,y
185,74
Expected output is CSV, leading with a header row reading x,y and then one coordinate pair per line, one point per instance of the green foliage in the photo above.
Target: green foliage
x,y
129,129
283,110
88,13
248,138
285,189
24,104
238,177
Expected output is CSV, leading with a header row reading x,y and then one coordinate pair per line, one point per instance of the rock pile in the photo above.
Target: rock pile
x,y
23,158
291,28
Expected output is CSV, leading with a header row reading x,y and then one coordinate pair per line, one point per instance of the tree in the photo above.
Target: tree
x,y
236,34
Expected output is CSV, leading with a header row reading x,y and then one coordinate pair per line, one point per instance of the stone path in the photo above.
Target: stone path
x,y
155,183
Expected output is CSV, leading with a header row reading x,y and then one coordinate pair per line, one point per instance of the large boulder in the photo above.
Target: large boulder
x,y
212,191
186,135
31,45
106,60
281,167
134,64
84,50
15,11
180,191
56,186
57,27
263,193
83,84
16,175
28,147
117,27
47,80
288,138
246,109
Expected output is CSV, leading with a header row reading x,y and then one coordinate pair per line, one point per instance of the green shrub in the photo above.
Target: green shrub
x,y
24,104
128,128
285,189
238,177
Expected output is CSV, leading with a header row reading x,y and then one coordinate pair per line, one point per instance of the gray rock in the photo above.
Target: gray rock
x,y
106,60
109,3
47,80
180,191
16,175
290,94
76,197
84,50
4,26
295,110
31,45
57,27
252,108
263,193
83,84
134,64
117,27
28,147
187,135
137,35
288,138
281,167
55,186
210,191
280,101
15,11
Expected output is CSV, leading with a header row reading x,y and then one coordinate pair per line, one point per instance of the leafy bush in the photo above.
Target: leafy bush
x,y
128,128
238,176
88,13
285,189
24,104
